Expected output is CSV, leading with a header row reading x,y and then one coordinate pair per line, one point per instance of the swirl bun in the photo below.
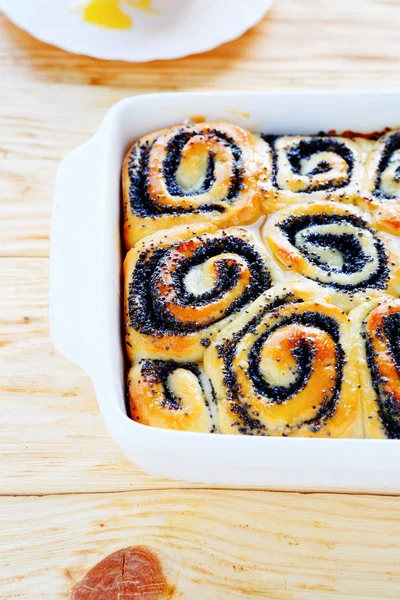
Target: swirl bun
x,y
228,334
284,368
332,245
376,336
380,191
204,173
171,395
184,284
313,168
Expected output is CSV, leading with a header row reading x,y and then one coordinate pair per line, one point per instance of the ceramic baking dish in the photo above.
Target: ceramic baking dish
x,y
85,310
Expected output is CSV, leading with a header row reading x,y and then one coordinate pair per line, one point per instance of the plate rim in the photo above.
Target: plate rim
x,y
43,36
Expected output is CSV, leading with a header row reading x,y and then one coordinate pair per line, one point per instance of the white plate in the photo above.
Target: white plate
x,y
179,28
85,295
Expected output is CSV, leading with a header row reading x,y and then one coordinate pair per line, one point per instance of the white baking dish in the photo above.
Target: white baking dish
x,y
85,310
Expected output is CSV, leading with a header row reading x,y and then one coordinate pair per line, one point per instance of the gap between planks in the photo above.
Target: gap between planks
x,y
200,488
212,544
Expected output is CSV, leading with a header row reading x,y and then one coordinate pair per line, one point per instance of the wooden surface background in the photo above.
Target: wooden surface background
x,y
68,496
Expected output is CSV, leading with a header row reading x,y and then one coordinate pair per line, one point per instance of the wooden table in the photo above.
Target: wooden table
x,y
69,497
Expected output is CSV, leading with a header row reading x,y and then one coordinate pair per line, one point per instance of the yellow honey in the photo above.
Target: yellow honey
x,y
108,13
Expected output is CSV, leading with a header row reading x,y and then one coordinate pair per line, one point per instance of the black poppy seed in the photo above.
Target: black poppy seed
x,y
389,406
307,148
138,168
392,144
354,256
147,307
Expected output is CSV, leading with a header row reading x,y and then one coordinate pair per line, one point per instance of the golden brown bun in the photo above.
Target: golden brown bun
x,y
313,168
204,173
285,368
375,339
380,192
225,334
332,245
171,395
185,284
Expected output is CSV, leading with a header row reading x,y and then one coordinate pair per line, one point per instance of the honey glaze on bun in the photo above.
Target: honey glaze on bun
x,y
376,336
380,192
171,395
287,328
181,288
202,173
284,368
312,168
334,246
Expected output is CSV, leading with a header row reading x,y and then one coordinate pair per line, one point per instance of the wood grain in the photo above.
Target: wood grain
x,y
217,544
51,101
212,544
52,439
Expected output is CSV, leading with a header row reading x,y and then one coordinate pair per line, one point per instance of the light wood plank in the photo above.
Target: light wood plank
x,y
297,44
212,544
52,101
52,437
220,544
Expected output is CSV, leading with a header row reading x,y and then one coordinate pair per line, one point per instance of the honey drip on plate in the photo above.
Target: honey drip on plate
x,y
108,13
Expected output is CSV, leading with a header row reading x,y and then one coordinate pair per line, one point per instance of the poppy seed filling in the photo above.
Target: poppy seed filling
x,y
389,403
156,372
391,146
349,246
147,306
305,149
247,422
143,205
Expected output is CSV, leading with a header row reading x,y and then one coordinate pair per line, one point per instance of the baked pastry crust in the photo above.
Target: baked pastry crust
x,y
204,173
333,245
227,334
380,192
375,328
183,285
313,168
171,395
285,368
